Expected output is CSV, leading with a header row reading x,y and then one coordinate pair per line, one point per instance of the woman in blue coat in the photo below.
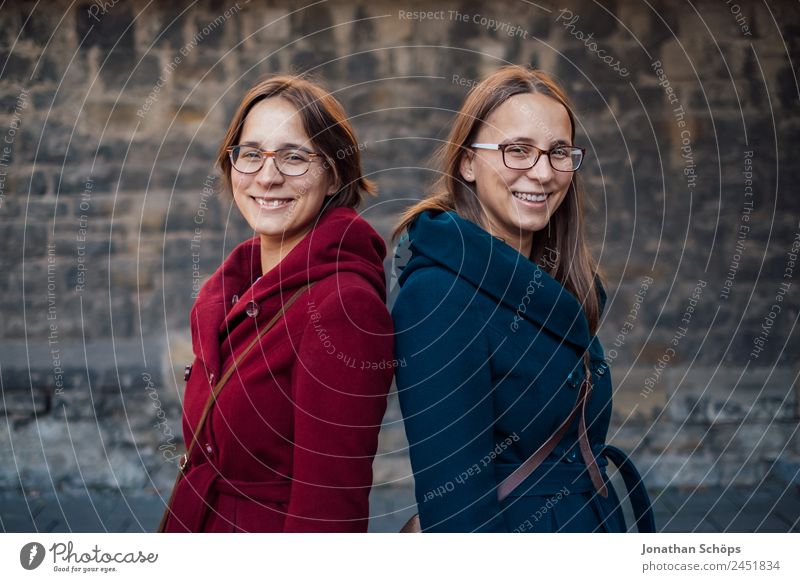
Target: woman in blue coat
x,y
495,325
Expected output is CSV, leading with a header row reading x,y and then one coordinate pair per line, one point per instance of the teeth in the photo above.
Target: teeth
x,y
530,197
275,203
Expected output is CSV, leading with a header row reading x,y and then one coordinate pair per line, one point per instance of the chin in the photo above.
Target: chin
x,y
270,227
529,223
534,222
537,225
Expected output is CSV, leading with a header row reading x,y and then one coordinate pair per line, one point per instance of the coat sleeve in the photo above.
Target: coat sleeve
x,y
445,392
342,377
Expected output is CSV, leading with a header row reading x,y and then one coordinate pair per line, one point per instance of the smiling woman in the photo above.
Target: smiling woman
x,y
282,159
274,189
506,395
281,429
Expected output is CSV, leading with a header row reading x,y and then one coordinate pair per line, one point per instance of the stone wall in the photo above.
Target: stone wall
x,y
111,212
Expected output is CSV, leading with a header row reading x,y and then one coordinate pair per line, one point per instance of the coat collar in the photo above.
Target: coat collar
x,y
341,241
501,272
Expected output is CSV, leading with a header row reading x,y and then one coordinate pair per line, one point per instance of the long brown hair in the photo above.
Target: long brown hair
x,y
325,122
561,248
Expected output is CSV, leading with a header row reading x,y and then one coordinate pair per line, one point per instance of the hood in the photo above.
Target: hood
x,y
449,241
340,242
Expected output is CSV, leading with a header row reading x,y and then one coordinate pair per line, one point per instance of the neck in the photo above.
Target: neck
x,y
523,244
273,251
520,240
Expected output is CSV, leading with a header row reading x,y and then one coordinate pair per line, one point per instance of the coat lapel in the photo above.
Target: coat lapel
x,y
215,302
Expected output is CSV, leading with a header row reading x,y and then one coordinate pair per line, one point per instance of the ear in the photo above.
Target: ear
x,y
334,185
465,167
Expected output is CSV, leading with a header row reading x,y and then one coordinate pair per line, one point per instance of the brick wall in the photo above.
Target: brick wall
x,y
111,215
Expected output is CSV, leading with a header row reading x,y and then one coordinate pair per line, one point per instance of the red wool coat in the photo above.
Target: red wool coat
x,y
289,445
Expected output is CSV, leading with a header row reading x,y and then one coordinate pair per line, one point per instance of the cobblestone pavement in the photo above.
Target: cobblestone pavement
x,y
771,507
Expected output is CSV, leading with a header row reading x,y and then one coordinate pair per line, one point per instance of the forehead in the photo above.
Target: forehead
x,y
273,122
533,116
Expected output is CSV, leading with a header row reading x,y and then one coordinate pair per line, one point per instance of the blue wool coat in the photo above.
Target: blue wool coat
x,y
491,349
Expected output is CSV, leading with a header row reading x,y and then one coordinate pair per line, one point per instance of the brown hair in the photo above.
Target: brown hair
x,y
326,123
572,264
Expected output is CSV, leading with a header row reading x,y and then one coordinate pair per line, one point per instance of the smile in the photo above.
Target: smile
x,y
530,197
272,203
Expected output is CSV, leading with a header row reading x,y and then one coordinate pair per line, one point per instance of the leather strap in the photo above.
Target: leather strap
x,y
583,438
529,466
217,389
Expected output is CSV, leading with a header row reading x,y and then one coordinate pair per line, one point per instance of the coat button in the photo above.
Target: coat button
x,y
571,456
209,450
253,309
234,299
187,371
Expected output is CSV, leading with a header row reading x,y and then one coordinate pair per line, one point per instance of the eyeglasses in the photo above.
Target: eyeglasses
x,y
522,156
288,161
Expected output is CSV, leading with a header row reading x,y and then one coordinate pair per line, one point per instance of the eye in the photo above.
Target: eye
x,y
560,152
295,156
518,150
249,154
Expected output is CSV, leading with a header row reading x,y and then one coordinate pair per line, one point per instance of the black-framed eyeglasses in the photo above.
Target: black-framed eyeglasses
x,y
288,161
523,156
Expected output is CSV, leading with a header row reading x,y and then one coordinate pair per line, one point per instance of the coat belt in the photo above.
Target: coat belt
x,y
195,495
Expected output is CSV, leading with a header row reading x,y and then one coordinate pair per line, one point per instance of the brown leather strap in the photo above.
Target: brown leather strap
x,y
232,368
218,388
529,466
583,438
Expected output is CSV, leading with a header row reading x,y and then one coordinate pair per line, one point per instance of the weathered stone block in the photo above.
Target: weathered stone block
x,y
717,395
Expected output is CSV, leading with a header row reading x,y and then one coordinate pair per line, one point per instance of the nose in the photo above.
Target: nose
x,y
269,174
541,171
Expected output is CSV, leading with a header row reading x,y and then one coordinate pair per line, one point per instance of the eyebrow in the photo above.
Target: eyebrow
x,y
526,140
282,146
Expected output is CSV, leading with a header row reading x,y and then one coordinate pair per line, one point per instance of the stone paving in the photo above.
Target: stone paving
x,y
770,507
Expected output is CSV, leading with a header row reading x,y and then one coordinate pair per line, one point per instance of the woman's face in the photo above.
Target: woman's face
x,y
279,208
530,118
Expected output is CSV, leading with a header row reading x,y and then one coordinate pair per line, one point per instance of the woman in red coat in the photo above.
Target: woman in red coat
x,y
288,444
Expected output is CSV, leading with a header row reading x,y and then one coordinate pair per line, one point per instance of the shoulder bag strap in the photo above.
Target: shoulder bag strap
x,y
218,388
529,466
